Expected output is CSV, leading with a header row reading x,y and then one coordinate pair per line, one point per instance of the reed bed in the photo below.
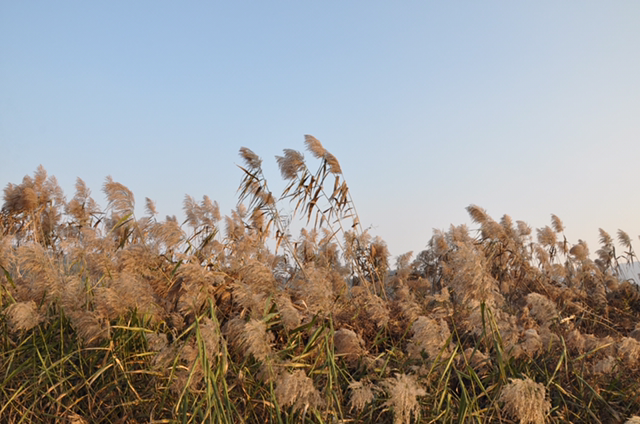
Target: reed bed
x,y
106,317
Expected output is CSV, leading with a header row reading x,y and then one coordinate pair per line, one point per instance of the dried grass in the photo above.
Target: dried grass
x,y
403,391
231,319
525,400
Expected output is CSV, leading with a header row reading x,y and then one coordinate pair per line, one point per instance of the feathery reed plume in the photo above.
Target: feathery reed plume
x,y
120,198
290,164
7,254
91,328
23,316
190,208
542,309
32,209
606,254
605,238
234,228
150,207
289,315
507,225
256,340
317,150
526,400
403,391
82,207
314,146
624,239
605,366
252,160
256,285
135,293
198,286
348,344
233,330
547,237
16,200
156,342
316,290
467,275
459,234
629,351
580,251
334,165
406,300
557,224
478,215
377,309
168,234
211,337
361,394
258,222
576,340
205,214
41,271
429,336
439,243
532,342
296,389
633,420
523,228
307,246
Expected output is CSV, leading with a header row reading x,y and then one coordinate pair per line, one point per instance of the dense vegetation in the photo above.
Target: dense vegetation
x,y
108,317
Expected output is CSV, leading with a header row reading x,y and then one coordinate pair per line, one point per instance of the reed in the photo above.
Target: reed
x,y
108,317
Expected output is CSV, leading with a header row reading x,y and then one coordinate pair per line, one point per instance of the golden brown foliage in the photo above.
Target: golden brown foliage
x,y
232,319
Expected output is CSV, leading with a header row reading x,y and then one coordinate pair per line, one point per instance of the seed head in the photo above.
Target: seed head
x,y
524,399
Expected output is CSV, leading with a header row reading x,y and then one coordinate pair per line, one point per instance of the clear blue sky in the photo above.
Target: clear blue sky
x,y
524,108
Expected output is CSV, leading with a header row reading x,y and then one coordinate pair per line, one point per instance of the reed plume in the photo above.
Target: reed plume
x,y
430,336
525,400
23,316
403,391
108,316
362,394
296,389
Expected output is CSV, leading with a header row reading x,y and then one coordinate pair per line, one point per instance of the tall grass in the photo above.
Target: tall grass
x,y
109,317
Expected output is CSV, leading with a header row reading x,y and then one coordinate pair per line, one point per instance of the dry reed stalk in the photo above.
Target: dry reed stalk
x,y
255,189
307,190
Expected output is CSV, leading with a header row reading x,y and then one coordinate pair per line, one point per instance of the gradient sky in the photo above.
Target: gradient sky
x,y
523,108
